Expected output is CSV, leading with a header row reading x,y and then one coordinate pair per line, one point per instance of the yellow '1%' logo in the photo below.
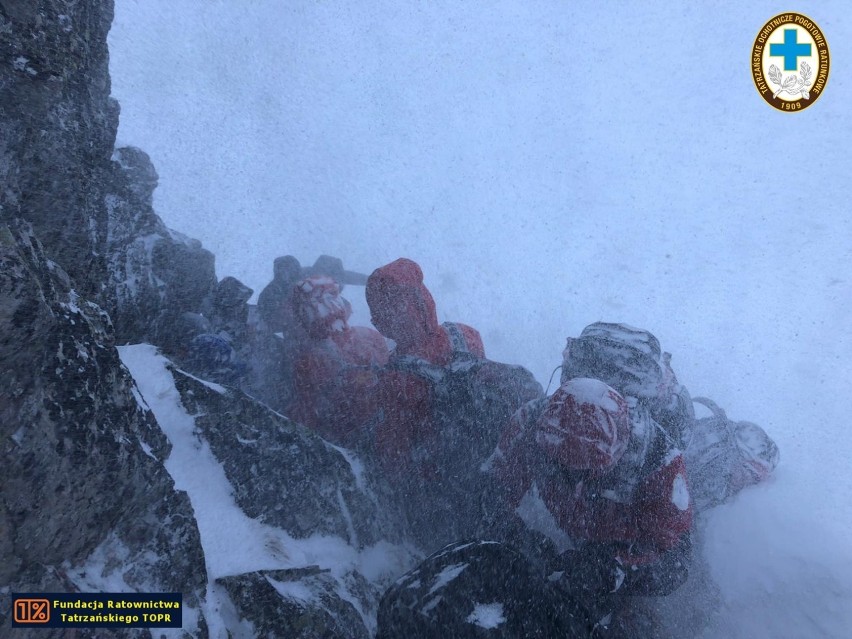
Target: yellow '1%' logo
x,y
790,62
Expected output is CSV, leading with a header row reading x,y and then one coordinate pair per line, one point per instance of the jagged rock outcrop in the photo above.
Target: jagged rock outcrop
x,y
285,475
89,204
84,497
57,128
154,274
299,603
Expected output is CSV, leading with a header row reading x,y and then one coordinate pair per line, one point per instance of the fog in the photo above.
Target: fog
x,y
549,164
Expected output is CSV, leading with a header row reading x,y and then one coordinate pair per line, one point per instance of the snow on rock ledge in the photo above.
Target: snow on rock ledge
x,y
283,474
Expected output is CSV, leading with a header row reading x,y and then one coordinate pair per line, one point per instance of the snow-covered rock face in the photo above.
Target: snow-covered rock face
x,y
89,204
285,475
142,177
295,531
297,603
85,501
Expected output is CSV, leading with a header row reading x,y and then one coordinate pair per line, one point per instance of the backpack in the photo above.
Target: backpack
x,y
626,358
631,361
472,399
723,456
465,341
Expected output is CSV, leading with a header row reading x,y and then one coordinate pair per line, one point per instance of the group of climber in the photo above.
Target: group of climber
x,y
601,479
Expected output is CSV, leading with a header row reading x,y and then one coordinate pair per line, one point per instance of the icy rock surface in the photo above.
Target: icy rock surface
x,y
286,476
330,571
477,589
57,127
153,274
81,470
299,604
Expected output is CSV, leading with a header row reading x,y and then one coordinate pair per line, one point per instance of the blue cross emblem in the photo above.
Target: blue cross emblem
x,y
790,50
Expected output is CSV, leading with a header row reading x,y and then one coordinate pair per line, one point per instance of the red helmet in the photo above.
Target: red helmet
x,y
585,425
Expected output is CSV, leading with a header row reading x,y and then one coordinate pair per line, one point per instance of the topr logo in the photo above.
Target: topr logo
x,y
790,62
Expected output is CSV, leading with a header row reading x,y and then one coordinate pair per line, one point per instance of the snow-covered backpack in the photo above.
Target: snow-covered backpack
x,y
723,456
626,358
471,400
631,361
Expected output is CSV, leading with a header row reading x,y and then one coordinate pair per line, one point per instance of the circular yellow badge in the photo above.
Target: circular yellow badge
x,y
790,62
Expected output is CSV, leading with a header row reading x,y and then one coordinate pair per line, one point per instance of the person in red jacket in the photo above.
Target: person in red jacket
x,y
402,309
615,521
335,372
722,457
441,405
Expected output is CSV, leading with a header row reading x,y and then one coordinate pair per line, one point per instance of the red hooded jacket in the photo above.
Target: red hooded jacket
x,y
336,371
403,310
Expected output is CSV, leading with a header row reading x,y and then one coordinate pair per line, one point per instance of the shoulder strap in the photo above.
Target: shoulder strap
x,y
419,367
713,406
457,340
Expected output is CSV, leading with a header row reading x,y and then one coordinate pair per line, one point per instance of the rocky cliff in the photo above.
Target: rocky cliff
x,y
81,473
88,203
57,128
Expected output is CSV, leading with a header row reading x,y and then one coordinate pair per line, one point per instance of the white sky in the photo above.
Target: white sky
x,y
549,164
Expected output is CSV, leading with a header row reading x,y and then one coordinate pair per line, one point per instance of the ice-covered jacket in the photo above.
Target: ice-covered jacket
x,y
335,375
585,466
